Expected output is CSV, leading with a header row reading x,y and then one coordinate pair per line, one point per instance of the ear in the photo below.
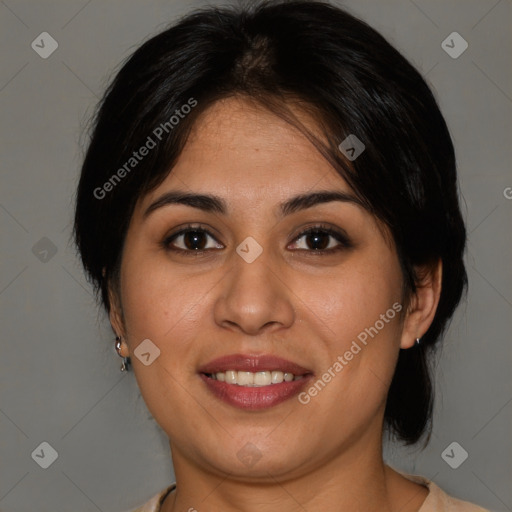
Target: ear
x,y
117,320
423,304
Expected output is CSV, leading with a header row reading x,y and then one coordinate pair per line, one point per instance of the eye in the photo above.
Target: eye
x,y
190,240
322,240
319,240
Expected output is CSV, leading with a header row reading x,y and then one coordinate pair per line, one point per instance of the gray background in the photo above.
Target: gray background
x,y
59,375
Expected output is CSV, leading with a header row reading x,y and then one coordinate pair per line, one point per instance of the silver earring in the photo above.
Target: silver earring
x,y
417,341
126,360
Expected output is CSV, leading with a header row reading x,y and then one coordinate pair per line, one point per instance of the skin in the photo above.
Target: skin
x,y
291,302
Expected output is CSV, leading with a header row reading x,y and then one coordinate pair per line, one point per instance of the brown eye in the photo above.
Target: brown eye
x,y
190,240
322,240
317,240
194,240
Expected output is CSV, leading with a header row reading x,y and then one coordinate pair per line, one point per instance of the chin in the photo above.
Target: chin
x,y
251,462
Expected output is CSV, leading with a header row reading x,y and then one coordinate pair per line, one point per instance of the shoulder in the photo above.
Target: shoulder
x,y
439,501
153,505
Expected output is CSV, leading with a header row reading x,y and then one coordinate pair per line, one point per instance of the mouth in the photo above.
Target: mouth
x,y
254,382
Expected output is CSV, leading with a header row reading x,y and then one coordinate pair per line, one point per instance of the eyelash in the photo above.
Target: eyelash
x,y
344,242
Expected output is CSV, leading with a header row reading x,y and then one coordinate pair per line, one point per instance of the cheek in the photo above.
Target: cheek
x,y
356,315
157,301
168,307
158,305
350,301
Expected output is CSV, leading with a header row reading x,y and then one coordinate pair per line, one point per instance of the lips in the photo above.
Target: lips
x,y
244,363
243,393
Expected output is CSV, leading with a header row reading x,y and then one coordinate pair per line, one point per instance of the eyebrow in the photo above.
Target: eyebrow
x,y
215,204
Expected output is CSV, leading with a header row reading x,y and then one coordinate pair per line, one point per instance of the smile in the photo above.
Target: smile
x,y
254,382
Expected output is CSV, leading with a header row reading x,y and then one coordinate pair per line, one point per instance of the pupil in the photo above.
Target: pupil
x,y
193,237
316,237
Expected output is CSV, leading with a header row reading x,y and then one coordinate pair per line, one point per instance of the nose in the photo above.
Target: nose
x,y
254,297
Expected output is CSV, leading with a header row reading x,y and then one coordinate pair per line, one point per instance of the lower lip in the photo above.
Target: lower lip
x,y
255,398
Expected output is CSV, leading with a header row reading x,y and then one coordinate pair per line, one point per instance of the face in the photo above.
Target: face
x,y
247,290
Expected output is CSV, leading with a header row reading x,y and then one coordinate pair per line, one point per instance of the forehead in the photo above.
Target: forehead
x,y
257,165
239,149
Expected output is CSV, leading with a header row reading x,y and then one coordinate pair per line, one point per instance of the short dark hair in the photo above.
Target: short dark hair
x,y
338,69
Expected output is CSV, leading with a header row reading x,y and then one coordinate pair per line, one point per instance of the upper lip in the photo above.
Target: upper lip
x,y
248,363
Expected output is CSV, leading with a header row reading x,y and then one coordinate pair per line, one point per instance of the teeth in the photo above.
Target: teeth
x,y
277,377
256,379
262,379
231,377
245,379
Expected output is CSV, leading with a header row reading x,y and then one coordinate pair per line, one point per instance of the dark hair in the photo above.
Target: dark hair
x,y
338,69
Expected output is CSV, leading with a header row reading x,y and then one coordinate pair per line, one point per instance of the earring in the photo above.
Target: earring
x,y
126,360
417,341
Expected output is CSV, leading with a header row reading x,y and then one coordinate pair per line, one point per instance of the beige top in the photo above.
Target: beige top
x,y
436,501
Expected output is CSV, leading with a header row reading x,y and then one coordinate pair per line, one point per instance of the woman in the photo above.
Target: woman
x,y
268,207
